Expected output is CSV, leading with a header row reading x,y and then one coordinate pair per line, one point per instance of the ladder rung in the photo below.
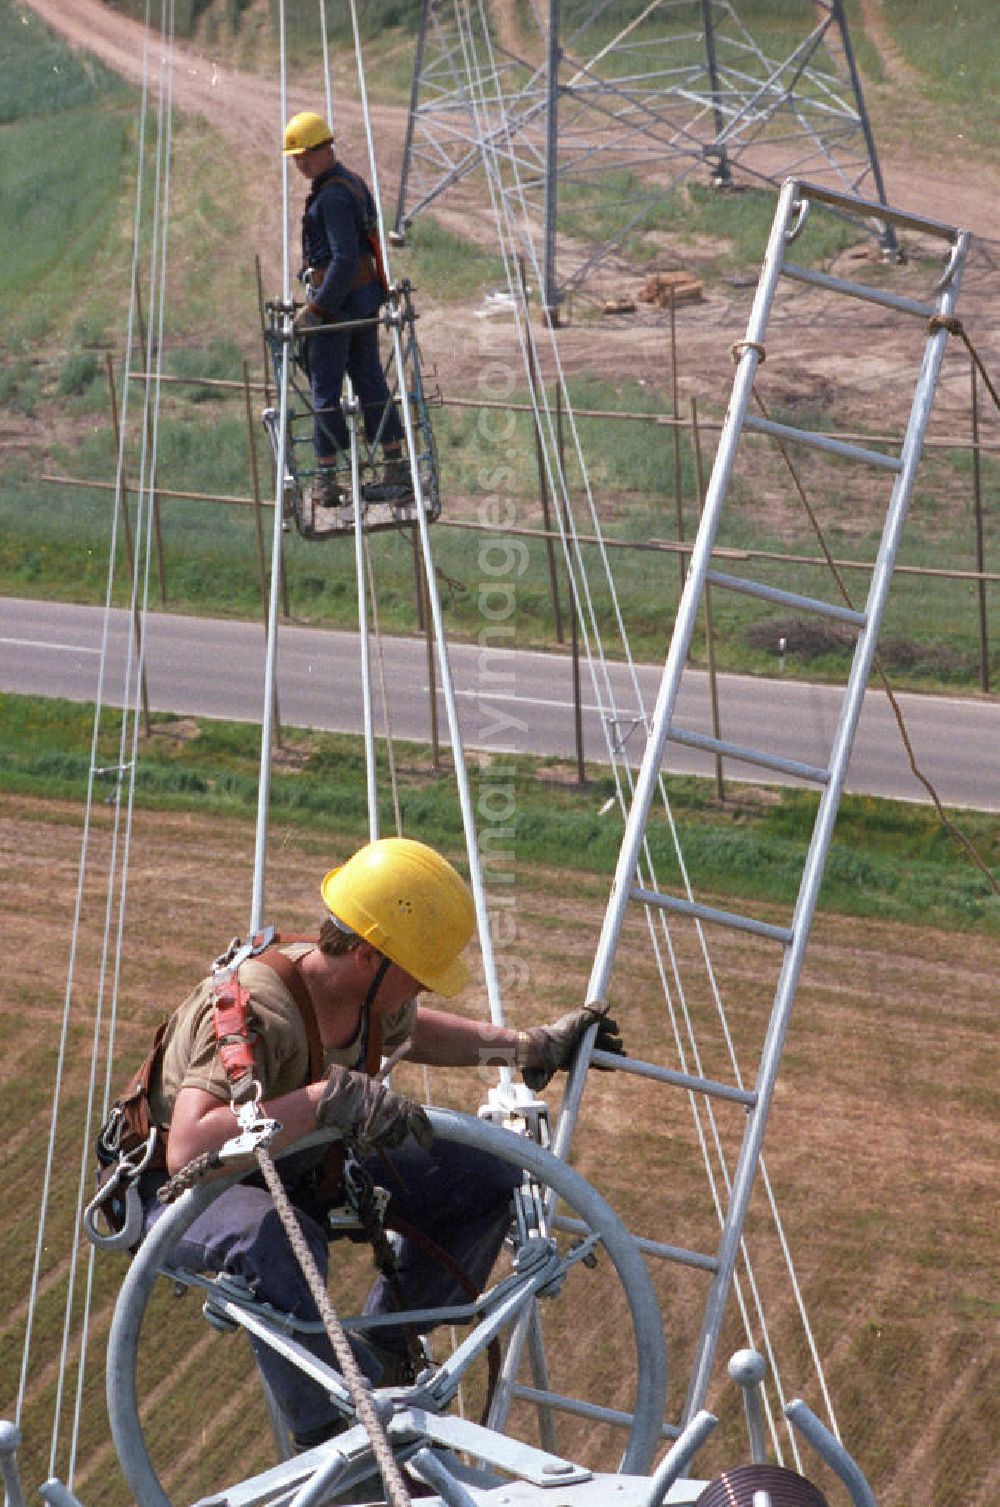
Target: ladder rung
x,y
709,913
675,1253
811,772
786,598
872,210
858,290
584,1409
690,1081
823,442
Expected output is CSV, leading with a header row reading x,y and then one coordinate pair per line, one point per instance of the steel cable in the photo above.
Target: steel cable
x,y
492,136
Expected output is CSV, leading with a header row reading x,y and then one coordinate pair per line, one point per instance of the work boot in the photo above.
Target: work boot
x,y
397,1368
326,491
311,1437
395,486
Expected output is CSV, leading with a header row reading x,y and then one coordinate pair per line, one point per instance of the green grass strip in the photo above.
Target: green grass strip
x,y
889,859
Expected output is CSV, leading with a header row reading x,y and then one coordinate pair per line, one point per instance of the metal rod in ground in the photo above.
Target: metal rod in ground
x,y
650,546
127,529
258,519
431,675
678,503
574,621
977,501
713,685
255,484
263,330
418,588
543,488
161,568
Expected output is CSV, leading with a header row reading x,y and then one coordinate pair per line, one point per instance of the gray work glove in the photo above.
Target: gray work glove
x,y
543,1051
307,319
368,1112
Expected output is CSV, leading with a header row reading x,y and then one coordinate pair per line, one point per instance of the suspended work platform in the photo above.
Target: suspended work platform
x,y
386,494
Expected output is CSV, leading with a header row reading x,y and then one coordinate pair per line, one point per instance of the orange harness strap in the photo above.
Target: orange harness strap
x,y
232,1028
230,1000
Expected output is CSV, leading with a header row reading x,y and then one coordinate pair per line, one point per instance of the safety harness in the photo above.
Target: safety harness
x,y
372,266
129,1143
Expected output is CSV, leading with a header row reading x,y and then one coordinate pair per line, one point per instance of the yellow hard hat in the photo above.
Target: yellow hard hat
x,y
305,131
408,902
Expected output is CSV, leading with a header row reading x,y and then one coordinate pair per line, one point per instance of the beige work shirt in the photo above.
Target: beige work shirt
x,y
189,1058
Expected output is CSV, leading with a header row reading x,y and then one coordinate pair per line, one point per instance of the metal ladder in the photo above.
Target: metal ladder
x,y
792,208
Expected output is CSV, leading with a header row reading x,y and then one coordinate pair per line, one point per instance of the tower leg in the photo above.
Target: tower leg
x,y
550,292
399,228
723,176
887,236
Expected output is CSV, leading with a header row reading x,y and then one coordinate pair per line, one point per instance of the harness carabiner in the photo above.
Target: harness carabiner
x,y
118,1202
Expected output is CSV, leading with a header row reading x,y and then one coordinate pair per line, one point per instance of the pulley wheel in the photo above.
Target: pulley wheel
x,y
736,1488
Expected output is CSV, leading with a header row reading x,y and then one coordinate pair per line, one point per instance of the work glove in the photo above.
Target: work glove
x,y
307,319
543,1051
369,1113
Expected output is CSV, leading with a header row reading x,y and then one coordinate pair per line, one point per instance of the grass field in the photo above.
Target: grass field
x,y
889,859
54,539
877,1152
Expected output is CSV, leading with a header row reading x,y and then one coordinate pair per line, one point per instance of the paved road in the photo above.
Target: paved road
x,y
519,702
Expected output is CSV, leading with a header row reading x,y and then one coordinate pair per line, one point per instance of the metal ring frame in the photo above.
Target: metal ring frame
x,y
619,1244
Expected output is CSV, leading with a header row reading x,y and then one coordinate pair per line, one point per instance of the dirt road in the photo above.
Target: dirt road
x,y
246,108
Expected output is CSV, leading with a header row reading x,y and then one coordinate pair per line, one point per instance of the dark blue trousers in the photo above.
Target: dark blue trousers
x,y
355,352
456,1196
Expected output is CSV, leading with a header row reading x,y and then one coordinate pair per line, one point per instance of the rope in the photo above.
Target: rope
x,y
740,347
947,822
119,849
134,672
956,327
392,1478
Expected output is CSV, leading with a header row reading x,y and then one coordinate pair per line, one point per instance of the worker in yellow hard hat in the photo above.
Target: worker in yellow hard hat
x,y
320,1015
342,264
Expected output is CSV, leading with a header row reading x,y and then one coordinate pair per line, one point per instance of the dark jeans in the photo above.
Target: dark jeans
x,y
456,1196
355,352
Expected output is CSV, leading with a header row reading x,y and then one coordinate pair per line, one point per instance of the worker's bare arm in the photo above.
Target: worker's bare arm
x,y
201,1122
444,1040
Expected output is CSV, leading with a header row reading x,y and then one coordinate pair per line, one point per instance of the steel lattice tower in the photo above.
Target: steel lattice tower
x,y
616,103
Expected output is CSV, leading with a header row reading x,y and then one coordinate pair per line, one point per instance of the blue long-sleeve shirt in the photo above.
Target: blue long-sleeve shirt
x,y
334,233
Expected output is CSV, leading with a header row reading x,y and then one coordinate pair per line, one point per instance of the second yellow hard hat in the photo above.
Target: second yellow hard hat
x,y
305,131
